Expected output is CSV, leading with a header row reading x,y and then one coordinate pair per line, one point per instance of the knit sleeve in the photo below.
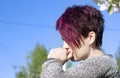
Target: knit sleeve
x,y
51,68
90,68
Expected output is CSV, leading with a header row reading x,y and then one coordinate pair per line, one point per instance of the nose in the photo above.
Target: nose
x,y
65,45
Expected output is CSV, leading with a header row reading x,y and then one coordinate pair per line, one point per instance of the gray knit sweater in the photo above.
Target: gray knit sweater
x,y
94,67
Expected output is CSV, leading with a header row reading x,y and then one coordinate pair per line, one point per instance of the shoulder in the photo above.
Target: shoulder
x,y
95,67
104,61
104,65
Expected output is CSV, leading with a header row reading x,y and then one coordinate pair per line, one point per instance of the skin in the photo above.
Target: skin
x,y
86,50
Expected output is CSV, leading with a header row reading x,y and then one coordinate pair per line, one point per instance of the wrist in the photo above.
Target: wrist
x,y
56,59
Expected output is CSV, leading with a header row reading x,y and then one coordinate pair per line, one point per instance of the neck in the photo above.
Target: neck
x,y
95,52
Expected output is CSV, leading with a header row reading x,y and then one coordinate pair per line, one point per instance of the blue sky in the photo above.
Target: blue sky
x,y
24,23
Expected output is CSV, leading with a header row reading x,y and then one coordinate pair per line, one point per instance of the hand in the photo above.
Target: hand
x,y
60,53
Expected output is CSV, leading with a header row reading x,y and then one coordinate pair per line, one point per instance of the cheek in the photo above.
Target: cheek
x,y
82,53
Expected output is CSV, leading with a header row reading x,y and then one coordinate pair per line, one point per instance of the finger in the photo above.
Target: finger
x,y
69,55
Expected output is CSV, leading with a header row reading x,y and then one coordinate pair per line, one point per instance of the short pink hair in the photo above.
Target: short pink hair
x,y
77,21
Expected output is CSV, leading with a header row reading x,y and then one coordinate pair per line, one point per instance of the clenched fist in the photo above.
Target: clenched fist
x,y
60,53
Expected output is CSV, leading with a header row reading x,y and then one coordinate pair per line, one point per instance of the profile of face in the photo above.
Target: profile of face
x,y
84,51
82,28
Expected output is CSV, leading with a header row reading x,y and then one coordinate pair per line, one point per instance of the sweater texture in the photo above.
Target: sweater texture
x,y
93,67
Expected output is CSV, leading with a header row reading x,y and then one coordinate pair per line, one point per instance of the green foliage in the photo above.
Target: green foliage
x,y
36,59
118,57
97,1
69,64
113,6
115,1
34,63
22,73
110,8
110,1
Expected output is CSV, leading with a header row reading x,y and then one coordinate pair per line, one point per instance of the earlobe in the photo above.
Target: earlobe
x,y
92,37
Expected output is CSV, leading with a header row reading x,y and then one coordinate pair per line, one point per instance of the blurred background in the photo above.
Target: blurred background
x,y
27,33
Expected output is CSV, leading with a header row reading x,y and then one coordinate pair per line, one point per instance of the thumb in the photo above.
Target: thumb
x,y
69,55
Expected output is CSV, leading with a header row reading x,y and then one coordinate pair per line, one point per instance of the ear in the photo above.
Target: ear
x,y
91,37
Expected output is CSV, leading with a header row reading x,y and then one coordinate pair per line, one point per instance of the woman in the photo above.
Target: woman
x,y
81,28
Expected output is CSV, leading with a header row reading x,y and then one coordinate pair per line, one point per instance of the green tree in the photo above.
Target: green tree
x,y
34,63
112,6
22,73
118,57
69,64
35,60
